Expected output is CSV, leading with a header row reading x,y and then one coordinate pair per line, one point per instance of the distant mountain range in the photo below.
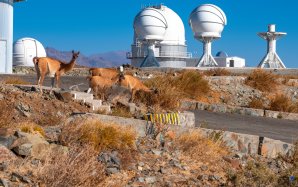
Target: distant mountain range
x,y
108,59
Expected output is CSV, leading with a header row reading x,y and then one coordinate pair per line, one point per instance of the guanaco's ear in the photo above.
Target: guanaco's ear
x,y
78,52
72,51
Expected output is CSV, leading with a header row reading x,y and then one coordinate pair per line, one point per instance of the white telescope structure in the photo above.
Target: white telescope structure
x,y
271,60
207,22
6,34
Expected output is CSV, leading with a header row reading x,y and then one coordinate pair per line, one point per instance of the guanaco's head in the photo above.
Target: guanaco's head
x,y
75,55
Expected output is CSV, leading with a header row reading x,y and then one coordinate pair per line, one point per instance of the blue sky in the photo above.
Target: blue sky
x,y
99,26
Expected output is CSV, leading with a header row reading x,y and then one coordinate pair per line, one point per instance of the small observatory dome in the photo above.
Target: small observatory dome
x,y
222,54
150,24
207,20
25,49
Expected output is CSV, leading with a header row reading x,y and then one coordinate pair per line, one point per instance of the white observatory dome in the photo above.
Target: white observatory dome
x,y
150,24
25,49
175,32
207,20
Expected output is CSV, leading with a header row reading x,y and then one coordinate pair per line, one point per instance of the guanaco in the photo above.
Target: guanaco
x,y
52,67
99,83
104,72
134,84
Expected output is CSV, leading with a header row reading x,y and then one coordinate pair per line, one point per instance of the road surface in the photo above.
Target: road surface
x,y
279,129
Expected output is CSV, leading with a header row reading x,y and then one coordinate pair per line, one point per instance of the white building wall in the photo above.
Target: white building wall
x,y
6,36
230,62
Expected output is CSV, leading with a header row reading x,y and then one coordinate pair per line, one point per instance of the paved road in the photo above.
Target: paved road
x,y
279,129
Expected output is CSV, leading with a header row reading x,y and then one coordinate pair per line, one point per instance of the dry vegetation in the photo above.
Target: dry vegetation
x,y
281,103
6,114
262,80
256,103
32,128
101,136
171,89
15,81
217,72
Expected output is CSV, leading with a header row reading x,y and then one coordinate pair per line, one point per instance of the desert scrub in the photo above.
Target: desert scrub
x,y
217,72
6,113
281,103
171,89
254,174
256,103
15,81
121,111
99,135
262,80
32,128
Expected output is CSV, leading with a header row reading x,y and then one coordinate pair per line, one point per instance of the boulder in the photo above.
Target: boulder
x,y
6,154
63,96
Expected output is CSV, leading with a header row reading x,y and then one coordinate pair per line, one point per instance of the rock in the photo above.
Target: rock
x,y
110,159
4,183
3,165
112,170
132,108
214,178
23,150
63,96
150,180
6,137
204,168
52,134
141,179
175,163
33,145
203,177
156,152
1,97
6,154
22,178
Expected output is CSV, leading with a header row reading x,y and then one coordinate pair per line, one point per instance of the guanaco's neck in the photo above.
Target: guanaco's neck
x,y
67,67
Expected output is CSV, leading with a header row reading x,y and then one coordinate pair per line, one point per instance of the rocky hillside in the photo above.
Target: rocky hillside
x,y
108,59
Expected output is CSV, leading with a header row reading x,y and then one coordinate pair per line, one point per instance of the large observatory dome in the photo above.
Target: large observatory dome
x,y
207,20
167,18
150,24
25,49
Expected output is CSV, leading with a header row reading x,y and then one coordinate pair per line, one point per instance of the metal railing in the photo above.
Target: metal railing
x,y
172,54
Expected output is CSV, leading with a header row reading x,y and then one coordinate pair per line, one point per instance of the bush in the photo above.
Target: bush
x,y
15,81
187,85
121,111
6,113
256,103
101,136
217,72
281,103
32,128
262,80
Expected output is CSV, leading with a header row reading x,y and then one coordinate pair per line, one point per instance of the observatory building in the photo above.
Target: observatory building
x,y
159,39
6,35
207,21
223,60
25,49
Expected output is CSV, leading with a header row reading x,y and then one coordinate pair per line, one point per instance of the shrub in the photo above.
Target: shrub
x,y
79,167
256,103
32,128
15,81
6,113
281,103
187,85
262,80
121,111
101,136
217,72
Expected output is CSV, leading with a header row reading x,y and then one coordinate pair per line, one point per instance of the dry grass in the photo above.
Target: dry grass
x,y
256,103
121,111
217,72
262,80
281,103
32,128
187,85
101,136
15,81
193,143
6,114
254,174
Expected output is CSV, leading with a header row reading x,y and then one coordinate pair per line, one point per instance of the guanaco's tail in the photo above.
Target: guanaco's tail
x,y
35,60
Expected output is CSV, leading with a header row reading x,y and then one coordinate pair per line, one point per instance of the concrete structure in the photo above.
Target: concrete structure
x,y
6,35
169,49
207,21
271,60
223,60
25,49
